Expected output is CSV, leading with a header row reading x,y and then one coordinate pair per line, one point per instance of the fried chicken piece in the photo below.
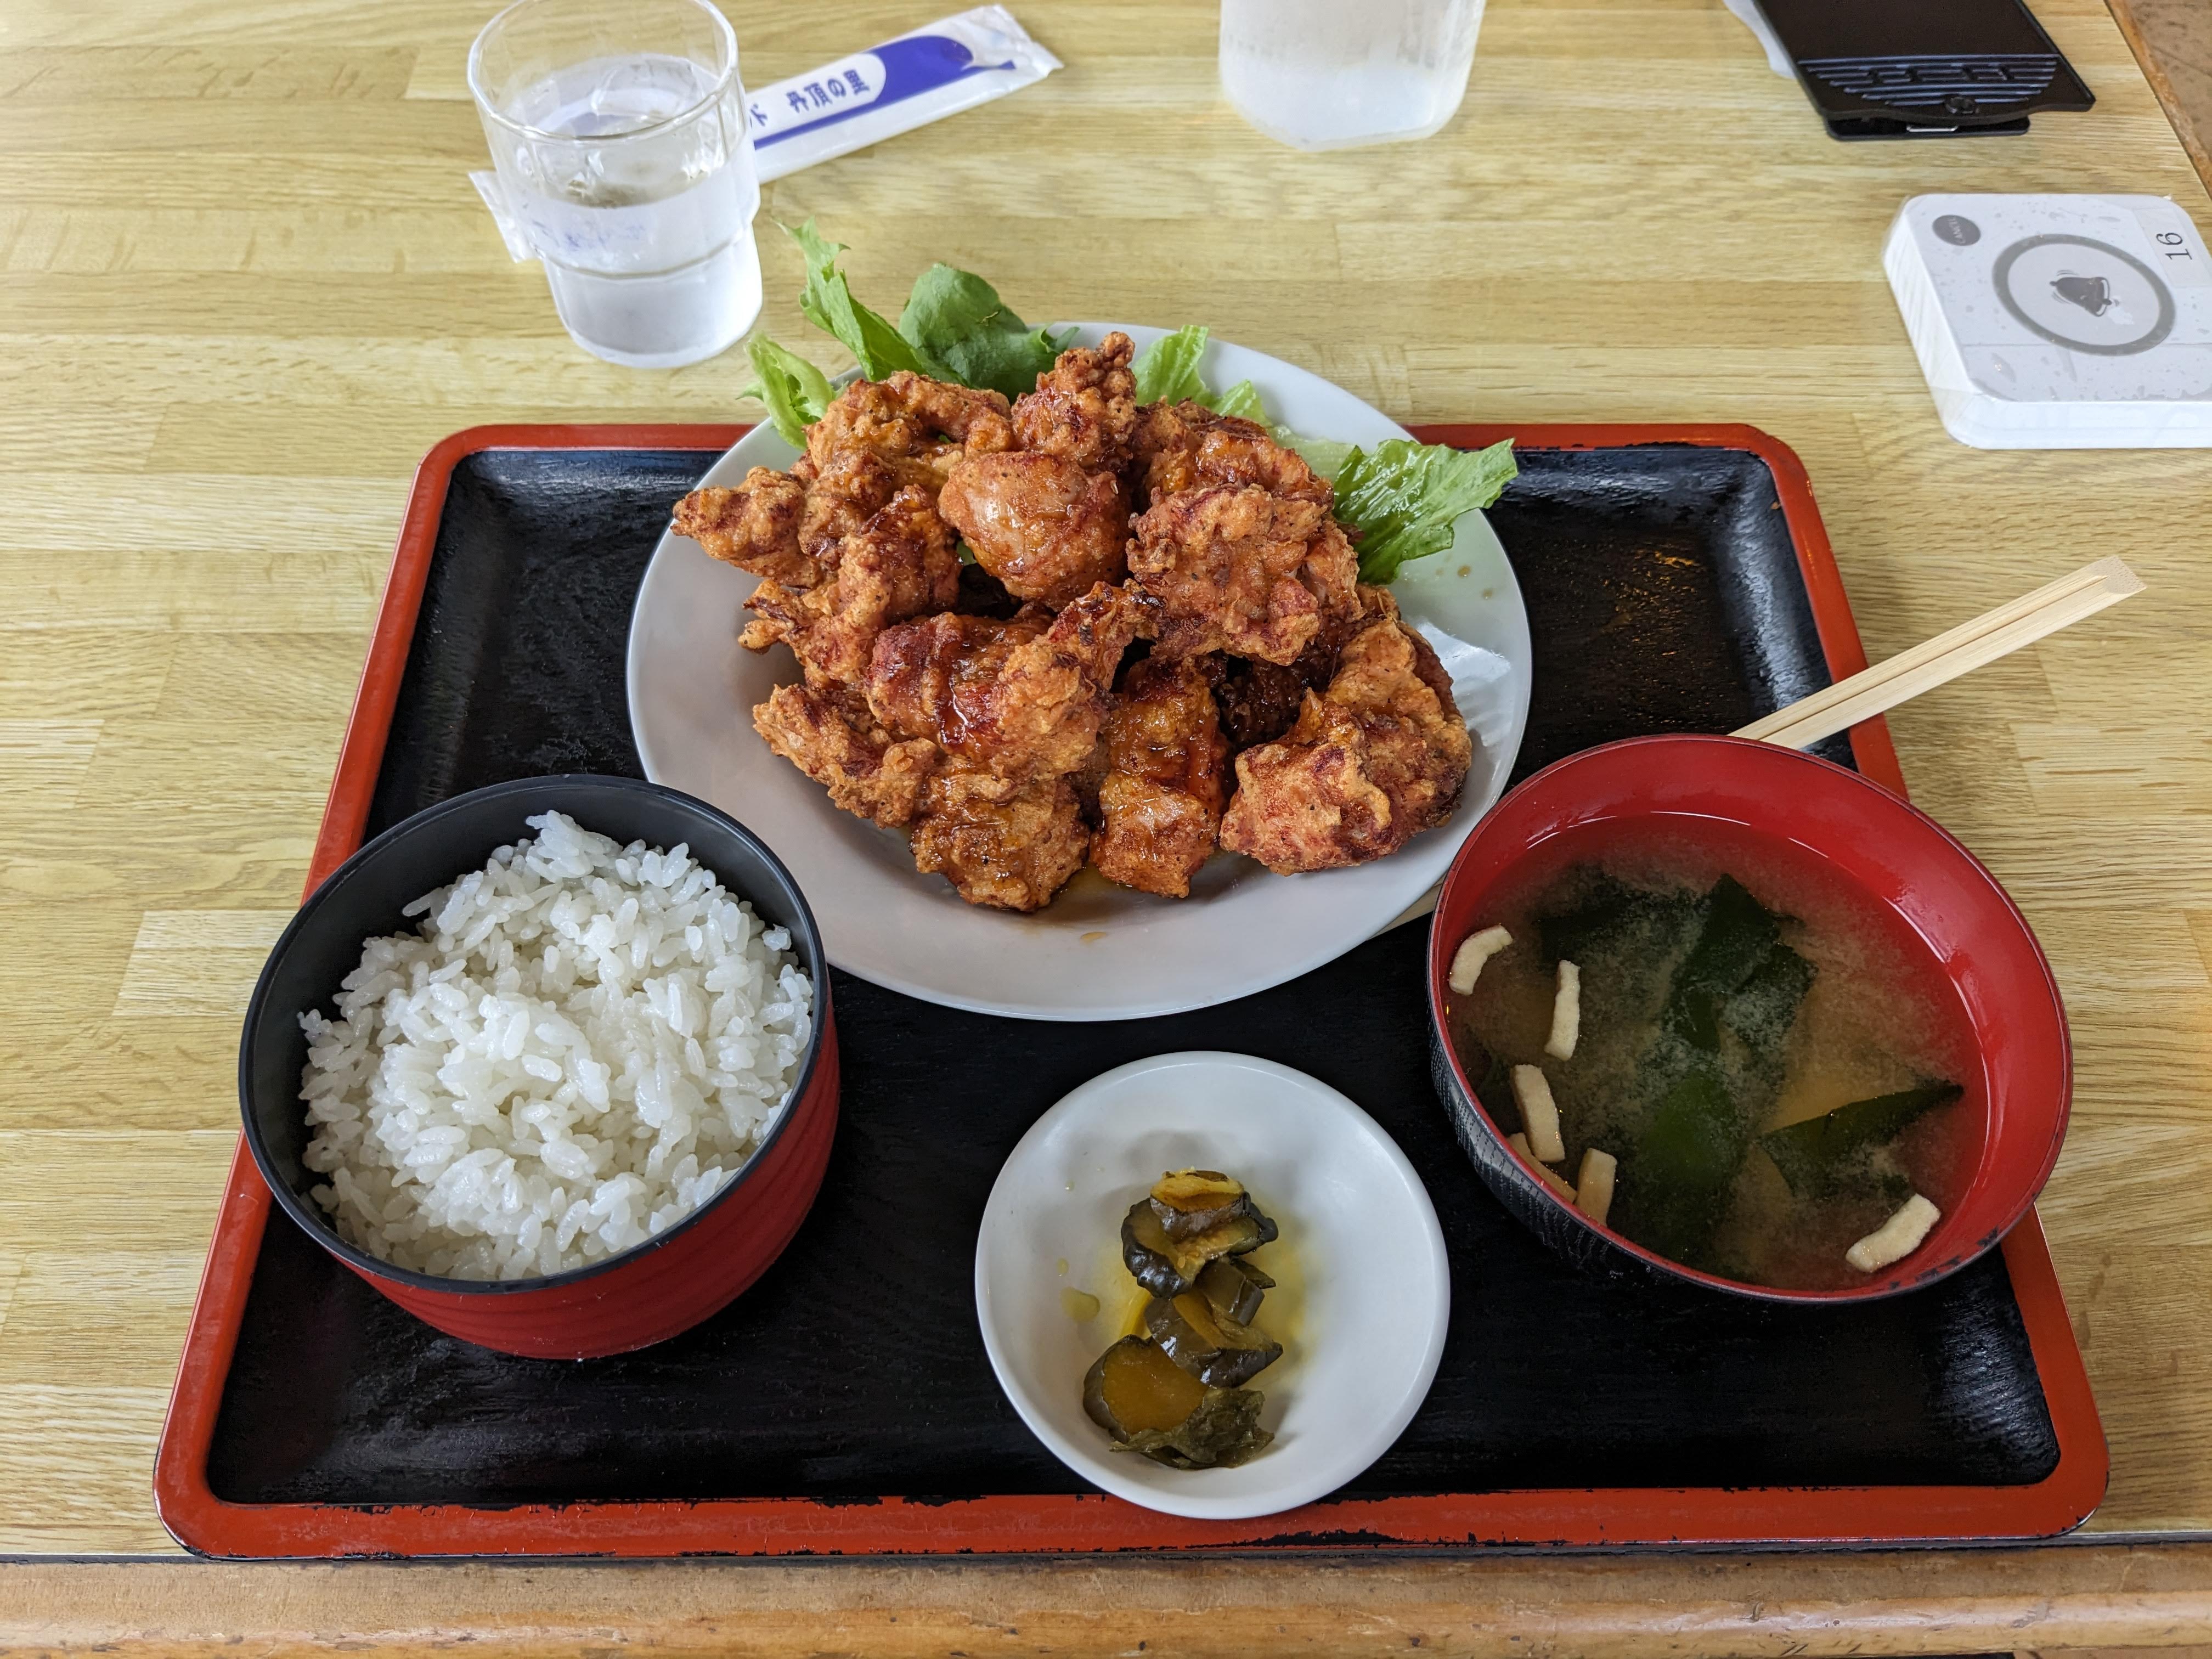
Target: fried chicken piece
x,y
1238,569
899,564
1095,631
1039,523
1186,445
1375,603
754,526
999,842
1159,802
907,417
793,615
1373,760
1090,776
1259,701
845,491
1020,699
879,437
934,678
1083,409
838,743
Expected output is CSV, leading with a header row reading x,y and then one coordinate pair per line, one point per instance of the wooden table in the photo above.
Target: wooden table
x,y
246,285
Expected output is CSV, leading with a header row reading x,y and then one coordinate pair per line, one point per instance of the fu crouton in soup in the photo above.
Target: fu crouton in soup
x,y
1758,1072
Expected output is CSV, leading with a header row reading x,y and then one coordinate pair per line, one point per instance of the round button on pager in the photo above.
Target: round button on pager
x,y
2084,294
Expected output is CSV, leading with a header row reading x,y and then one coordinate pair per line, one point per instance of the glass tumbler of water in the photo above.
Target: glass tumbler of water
x,y
619,131
1328,74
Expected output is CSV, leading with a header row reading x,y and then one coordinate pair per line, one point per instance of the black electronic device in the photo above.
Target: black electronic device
x,y
1923,69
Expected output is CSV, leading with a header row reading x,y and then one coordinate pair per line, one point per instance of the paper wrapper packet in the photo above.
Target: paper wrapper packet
x,y
938,69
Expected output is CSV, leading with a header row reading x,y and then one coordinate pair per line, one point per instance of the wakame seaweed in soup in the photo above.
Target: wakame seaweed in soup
x,y
1771,1066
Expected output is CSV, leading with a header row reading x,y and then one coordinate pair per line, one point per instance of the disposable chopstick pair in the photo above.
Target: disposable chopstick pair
x,y
1970,645
1960,651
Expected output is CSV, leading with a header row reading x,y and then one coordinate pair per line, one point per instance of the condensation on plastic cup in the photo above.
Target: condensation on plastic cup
x,y
619,134
1326,75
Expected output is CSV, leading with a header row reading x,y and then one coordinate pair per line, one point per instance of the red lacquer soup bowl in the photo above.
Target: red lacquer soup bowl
x,y
1970,953
644,1294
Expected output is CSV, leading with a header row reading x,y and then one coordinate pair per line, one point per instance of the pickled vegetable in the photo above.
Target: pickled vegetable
x,y
1189,1202
1177,1394
1223,1431
1251,1270
1150,1405
1233,1286
1168,1267
1219,1352
1134,1388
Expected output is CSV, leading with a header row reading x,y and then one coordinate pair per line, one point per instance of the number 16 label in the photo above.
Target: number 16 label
x,y
2177,252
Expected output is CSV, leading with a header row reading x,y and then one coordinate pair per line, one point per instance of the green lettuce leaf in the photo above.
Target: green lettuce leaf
x,y
1403,497
795,392
1167,369
1167,372
828,303
1326,456
956,319
1242,400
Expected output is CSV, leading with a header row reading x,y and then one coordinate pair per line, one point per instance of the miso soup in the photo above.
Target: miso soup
x,y
1776,1064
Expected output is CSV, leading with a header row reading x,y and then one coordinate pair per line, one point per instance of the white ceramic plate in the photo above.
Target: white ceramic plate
x,y
1361,1306
1099,951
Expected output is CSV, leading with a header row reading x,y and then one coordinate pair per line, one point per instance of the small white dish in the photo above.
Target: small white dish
x,y
1097,951
1361,1306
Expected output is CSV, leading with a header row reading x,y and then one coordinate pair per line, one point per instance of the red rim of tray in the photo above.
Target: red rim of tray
x,y
1583,1517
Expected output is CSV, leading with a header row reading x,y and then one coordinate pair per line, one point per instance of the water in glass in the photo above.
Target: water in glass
x,y
1324,75
631,173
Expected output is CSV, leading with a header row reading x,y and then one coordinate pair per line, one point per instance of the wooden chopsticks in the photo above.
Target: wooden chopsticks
x,y
1966,647
1923,668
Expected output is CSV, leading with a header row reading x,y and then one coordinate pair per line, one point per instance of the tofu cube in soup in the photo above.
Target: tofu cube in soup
x,y
1540,1113
1594,1184
1551,1177
1896,1238
1476,949
1566,1012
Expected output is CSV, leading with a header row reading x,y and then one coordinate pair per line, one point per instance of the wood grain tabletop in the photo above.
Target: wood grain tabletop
x,y
245,284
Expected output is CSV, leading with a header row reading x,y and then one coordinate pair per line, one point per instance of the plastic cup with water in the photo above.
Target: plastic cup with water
x,y
619,131
1328,74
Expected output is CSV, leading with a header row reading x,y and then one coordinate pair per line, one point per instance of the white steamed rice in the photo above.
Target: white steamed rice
x,y
579,1047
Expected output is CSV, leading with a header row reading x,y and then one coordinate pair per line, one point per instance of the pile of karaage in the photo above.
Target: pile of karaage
x,y
1156,591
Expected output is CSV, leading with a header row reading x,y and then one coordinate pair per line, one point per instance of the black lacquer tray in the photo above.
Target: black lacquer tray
x,y
1676,580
